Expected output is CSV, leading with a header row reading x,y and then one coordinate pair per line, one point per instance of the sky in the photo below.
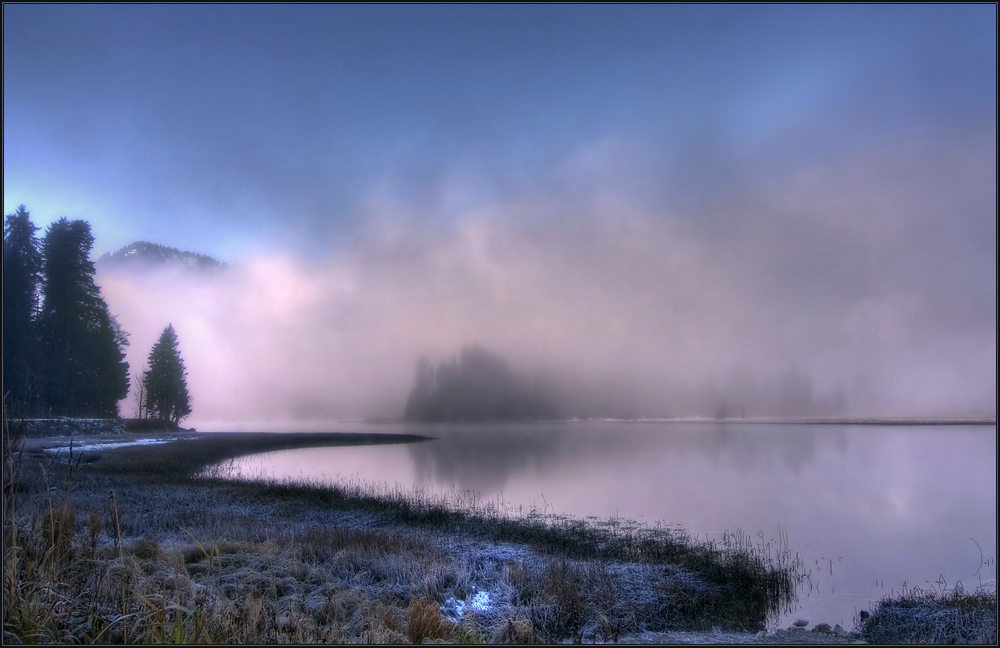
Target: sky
x,y
662,208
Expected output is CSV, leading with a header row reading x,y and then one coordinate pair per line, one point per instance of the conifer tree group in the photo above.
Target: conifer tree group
x,y
63,351
82,364
478,385
22,267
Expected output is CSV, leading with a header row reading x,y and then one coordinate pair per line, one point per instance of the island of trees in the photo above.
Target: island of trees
x,y
63,351
478,385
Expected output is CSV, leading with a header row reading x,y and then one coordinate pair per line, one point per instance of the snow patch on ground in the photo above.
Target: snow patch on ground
x,y
106,446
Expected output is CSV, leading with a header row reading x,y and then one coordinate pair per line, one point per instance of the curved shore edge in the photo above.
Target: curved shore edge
x,y
295,519
181,536
188,452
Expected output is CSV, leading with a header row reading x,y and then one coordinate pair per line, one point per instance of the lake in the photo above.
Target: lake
x,y
868,509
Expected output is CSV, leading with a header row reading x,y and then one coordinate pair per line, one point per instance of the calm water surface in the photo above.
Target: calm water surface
x,y
868,509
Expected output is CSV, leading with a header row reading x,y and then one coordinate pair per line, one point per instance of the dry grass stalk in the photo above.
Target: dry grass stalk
x,y
424,621
58,526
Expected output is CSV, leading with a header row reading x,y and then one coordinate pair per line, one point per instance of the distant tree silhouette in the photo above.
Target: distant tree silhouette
x,y
477,386
82,366
421,395
21,266
165,382
139,395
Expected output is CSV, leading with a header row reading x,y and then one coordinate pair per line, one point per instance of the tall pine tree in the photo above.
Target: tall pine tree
x,y
82,359
165,381
21,265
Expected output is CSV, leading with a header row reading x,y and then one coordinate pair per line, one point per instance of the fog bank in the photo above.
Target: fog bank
x,y
860,286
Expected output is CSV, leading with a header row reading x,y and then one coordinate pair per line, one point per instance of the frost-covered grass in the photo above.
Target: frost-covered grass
x,y
67,451
923,617
733,583
133,548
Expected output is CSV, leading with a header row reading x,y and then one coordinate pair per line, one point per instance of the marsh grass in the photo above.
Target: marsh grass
x,y
141,545
736,583
930,617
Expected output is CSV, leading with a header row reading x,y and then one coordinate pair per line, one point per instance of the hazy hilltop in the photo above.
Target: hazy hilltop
x,y
145,255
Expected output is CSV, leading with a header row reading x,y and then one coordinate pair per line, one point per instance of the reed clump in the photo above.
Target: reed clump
x,y
928,617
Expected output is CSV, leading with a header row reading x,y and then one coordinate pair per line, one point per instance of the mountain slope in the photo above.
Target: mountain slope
x,y
143,254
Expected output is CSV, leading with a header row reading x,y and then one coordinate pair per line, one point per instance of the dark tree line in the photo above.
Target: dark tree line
x,y
476,386
63,351
21,272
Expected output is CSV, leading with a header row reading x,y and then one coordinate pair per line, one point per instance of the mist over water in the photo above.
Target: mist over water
x,y
861,287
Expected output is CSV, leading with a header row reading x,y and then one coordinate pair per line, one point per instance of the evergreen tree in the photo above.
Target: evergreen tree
x,y
165,382
82,361
21,264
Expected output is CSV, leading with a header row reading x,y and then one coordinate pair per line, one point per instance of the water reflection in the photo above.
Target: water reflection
x,y
486,457
864,506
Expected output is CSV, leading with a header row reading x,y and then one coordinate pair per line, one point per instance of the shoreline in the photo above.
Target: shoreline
x,y
174,525
64,430
275,518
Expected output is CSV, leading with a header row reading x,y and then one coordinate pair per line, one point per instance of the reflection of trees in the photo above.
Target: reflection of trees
x,y
484,457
